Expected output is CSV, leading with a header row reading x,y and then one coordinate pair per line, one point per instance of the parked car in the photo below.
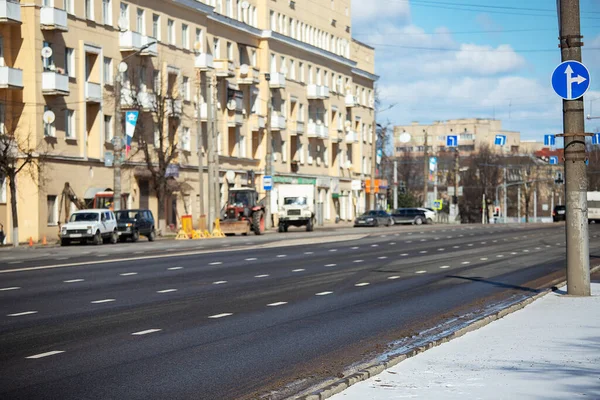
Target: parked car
x,y
374,218
559,213
429,214
99,226
133,223
414,216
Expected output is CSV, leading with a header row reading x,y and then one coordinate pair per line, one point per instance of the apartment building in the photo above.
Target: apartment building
x,y
473,133
63,56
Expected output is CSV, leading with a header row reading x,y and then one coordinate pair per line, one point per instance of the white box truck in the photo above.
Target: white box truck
x,y
296,206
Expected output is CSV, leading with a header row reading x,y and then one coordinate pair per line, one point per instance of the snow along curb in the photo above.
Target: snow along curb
x,y
379,367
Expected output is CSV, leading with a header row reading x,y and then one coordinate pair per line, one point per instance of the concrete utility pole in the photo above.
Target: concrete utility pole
x,y
425,170
578,253
216,129
372,195
519,204
118,148
199,145
210,142
456,174
395,184
269,155
505,206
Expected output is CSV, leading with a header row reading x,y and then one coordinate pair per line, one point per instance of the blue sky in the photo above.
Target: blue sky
x,y
502,55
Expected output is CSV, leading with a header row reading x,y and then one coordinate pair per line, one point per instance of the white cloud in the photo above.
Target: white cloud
x,y
370,10
480,60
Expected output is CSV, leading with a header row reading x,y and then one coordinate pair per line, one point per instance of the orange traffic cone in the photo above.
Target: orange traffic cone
x,y
44,242
30,241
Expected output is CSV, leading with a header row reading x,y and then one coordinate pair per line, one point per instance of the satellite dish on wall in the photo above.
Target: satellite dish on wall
x,y
404,137
244,69
46,52
123,67
245,4
123,24
231,105
48,117
197,47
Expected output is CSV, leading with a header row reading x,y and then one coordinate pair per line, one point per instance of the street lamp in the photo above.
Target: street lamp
x,y
118,142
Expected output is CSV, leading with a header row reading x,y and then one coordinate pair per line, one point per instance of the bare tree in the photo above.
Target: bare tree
x,y
20,156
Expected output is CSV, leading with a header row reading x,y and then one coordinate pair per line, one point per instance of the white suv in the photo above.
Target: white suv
x,y
96,225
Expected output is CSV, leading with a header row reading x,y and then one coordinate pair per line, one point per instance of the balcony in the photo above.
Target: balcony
x,y
234,119
247,75
142,100
54,83
351,137
278,122
134,41
93,92
317,92
224,68
299,127
351,100
277,81
203,61
317,130
53,19
257,122
10,12
337,137
174,107
11,78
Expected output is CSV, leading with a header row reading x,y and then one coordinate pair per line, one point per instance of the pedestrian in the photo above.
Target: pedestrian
x,y
2,235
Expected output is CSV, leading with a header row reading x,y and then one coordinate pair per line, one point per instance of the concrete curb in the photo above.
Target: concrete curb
x,y
377,368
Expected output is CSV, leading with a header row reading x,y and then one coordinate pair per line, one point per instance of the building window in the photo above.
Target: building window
x,y
282,66
230,51
185,36
49,129
89,9
70,62
124,15
3,190
140,21
70,6
292,71
273,23
108,128
108,72
273,64
186,88
156,26
300,116
69,124
199,45
52,210
2,116
156,82
185,139
301,68
283,151
171,31
216,48
253,57
48,63
106,11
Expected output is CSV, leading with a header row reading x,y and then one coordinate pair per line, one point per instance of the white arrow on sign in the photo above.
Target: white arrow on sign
x,y
571,80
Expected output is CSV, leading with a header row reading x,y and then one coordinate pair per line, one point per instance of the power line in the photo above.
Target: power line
x,y
469,50
469,32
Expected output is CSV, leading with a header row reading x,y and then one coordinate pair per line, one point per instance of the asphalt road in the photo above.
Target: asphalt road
x,y
251,319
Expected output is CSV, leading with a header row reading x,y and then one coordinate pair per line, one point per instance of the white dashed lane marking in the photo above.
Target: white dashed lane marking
x,y
466,262
374,245
381,258
261,276
174,268
500,255
308,252
333,250
354,248
483,258
216,316
408,241
279,303
362,284
219,282
166,291
298,270
42,355
330,265
444,267
215,263
441,249
420,272
358,261
128,273
423,251
456,247
250,259
147,331
281,256
470,245
393,277
15,262
323,293
102,301
73,280
403,254
22,313
9,288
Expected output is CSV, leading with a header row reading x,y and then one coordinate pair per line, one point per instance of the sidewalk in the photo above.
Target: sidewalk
x,y
548,350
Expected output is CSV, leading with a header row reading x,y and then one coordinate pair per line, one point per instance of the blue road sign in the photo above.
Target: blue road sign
x,y
596,138
452,141
500,140
570,80
432,164
553,160
268,182
549,140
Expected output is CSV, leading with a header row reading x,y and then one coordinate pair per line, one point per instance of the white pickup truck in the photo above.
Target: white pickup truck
x,y
97,225
296,206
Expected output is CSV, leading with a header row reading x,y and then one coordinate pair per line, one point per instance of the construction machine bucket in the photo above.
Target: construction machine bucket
x,y
233,227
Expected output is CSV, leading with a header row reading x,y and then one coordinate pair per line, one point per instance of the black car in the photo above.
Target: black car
x,y
414,216
133,223
559,213
374,218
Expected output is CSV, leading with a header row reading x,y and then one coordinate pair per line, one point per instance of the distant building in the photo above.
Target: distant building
x,y
473,134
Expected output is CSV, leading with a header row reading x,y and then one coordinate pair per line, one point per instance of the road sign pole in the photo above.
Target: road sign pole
x,y
395,184
578,255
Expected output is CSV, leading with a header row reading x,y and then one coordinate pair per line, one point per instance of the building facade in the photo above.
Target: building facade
x,y
473,133
58,80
